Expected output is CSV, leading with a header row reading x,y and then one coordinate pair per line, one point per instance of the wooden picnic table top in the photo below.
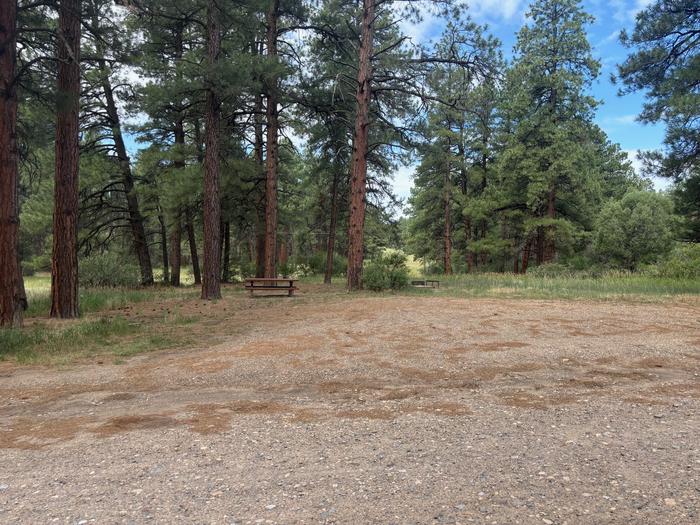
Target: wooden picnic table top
x,y
271,279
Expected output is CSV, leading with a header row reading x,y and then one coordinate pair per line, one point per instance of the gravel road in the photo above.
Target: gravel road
x,y
372,410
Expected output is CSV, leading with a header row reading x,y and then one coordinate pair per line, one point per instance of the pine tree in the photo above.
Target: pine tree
x,y
550,112
12,298
64,267
211,281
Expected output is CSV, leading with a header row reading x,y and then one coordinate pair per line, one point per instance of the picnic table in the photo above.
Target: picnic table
x,y
271,284
426,283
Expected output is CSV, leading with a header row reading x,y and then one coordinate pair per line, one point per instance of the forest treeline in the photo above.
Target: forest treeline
x,y
268,132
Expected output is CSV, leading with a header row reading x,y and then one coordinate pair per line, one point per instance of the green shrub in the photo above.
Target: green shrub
x,y
108,270
682,263
388,271
376,277
636,230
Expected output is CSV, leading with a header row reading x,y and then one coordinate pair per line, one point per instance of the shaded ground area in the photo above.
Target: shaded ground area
x,y
358,409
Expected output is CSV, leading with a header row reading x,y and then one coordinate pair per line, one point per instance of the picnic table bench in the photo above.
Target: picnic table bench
x,y
426,283
271,284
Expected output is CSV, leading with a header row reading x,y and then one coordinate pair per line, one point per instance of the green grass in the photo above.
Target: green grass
x,y
41,343
121,336
38,288
63,342
612,286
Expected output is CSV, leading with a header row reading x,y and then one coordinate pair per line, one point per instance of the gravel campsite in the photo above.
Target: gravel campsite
x,y
369,409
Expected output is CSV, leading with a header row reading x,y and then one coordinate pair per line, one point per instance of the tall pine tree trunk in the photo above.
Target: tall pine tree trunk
x,y
360,148
164,246
330,246
260,208
64,262
192,240
13,301
211,278
272,132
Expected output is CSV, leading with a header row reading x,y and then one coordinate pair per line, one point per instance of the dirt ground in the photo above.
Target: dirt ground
x,y
370,410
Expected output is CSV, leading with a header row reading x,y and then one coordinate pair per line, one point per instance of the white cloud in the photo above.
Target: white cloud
x,y
403,181
425,30
660,183
431,25
633,156
622,120
494,9
625,11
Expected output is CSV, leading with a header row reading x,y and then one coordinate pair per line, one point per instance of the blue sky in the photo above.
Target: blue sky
x,y
616,115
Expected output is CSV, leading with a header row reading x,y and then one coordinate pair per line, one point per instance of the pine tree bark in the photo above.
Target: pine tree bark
x,y
211,278
176,251
360,148
271,89
330,246
260,208
13,300
64,262
164,246
192,240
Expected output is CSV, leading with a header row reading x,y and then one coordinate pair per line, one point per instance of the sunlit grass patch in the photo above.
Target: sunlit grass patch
x,y
611,286
38,288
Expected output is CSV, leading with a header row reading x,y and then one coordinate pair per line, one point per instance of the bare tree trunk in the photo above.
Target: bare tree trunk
x,y
175,251
13,300
330,247
360,148
64,262
226,263
192,239
211,282
272,131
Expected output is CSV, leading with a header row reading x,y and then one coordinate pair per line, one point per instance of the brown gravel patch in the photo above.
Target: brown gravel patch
x,y
369,409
